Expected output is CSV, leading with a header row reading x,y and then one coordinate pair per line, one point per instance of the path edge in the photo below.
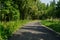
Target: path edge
x,y
49,28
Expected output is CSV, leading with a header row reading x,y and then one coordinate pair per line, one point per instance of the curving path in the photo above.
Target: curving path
x,y
34,31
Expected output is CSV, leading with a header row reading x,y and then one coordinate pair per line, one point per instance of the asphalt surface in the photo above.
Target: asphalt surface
x,y
34,31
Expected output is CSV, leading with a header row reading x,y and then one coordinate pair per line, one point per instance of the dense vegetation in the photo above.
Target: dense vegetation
x,y
55,24
28,9
13,11
7,28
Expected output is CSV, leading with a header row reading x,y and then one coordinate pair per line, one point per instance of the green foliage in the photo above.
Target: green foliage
x,y
8,11
55,24
27,8
15,10
58,9
7,28
53,10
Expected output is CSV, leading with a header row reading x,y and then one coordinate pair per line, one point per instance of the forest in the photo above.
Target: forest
x,y
15,13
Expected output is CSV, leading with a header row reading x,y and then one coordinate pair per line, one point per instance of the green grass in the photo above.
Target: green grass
x,y
55,24
8,28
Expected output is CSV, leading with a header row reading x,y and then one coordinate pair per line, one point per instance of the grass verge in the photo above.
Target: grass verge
x,y
55,24
7,28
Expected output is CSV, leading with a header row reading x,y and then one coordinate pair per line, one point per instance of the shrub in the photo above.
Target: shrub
x,y
8,28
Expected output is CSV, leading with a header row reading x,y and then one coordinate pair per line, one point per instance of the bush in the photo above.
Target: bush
x,y
9,11
8,28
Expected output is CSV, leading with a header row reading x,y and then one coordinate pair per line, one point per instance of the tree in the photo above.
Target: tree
x,y
8,10
25,7
58,9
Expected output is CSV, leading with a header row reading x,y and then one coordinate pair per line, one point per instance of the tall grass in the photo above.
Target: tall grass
x,y
7,28
55,24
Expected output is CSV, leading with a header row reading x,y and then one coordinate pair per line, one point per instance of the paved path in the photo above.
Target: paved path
x,y
34,31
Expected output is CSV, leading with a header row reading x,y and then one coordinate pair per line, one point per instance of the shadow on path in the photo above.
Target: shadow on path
x,y
34,31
